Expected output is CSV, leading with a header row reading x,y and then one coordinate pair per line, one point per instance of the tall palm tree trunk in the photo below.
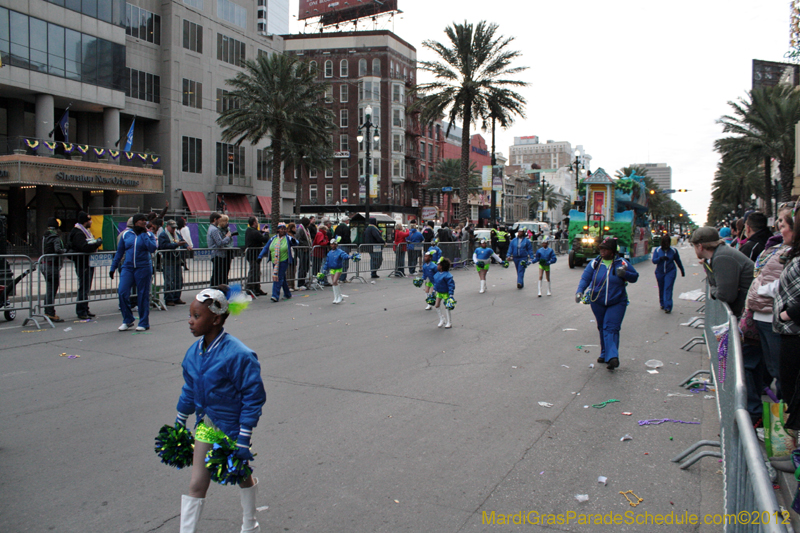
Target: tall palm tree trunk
x,y
786,168
463,207
277,162
768,184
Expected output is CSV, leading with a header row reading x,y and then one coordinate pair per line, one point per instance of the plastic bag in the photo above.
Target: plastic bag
x,y
776,440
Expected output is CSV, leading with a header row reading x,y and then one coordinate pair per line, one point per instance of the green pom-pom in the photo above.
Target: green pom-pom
x,y
431,299
450,303
175,446
505,264
224,466
417,282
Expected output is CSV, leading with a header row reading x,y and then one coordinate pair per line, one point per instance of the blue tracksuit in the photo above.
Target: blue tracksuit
x,y
136,270
545,256
444,282
608,299
428,271
335,259
520,250
666,273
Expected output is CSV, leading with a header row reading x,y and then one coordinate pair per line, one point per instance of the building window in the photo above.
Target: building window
x,y
344,192
369,90
344,93
362,67
376,67
343,116
343,68
398,93
328,173
398,168
233,13
198,4
263,166
192,93
230,50
422,150
312,193
312,67
344,143
225,101
430,152
329,94
397,142
398,118
141,85
230,160
344,168
192,36
422,172
112,11
192,155
328,194
142,24
328,68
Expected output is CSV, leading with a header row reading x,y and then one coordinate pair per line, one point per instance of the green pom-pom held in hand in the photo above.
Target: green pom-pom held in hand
x,y
175,446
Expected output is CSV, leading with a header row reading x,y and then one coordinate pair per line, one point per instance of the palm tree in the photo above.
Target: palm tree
x,y
474,70
279,97
734,182
762,128
447,173
550,199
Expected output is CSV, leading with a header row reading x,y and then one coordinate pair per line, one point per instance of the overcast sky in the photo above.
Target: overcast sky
x,y
633,81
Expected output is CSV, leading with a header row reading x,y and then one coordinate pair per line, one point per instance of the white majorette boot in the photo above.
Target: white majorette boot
x,y
335,294
447,325
540,287
428,307
191,509
483,286
249,522
548,288
441,317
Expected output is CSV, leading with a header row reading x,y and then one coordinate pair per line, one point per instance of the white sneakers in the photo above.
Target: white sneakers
x,y
483,286
125,327
140,328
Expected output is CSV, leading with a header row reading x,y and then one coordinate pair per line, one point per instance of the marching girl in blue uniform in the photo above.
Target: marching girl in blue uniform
x,y
436,252
665,257
223,388
334,263
482,257
605,277
445,287
545,256
428,271
521,251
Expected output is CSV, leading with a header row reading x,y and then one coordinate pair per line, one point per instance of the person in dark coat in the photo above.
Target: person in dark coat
x,y
82,241
254,241
170,239
51,267
757,235
427,233
372,235
304,240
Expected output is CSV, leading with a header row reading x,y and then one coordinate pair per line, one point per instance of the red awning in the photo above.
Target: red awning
x,y
238,205
266,204
197,203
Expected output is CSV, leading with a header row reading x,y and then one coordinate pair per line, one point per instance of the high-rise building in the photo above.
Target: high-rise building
x,y
661,173
376,69
164,64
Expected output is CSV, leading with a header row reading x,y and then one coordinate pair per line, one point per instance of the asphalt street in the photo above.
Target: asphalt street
x,y
376,420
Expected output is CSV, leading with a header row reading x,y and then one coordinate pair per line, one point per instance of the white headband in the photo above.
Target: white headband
x,y
218,305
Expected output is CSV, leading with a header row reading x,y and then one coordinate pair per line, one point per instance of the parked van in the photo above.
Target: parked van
x,y
530,225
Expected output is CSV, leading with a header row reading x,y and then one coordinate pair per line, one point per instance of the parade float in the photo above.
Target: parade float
x,y
616,208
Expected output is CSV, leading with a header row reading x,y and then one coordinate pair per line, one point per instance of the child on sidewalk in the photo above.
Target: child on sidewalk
x,y
482,257
545,256
428,271
223,388
445,286
334,264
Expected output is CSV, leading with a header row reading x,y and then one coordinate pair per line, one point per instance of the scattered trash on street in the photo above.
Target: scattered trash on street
x,y
582,497
654,363
625,437
603,480
545,404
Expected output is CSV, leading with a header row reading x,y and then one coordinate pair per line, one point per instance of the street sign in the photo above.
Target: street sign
x,y
430,212
447,189
345,154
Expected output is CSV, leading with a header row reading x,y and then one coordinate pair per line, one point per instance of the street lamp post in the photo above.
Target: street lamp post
x,y
367,125
577,174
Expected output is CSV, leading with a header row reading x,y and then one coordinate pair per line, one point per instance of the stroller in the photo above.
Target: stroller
x,y
7,291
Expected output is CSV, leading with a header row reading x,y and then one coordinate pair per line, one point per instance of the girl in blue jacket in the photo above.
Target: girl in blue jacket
x,y
436,252
606,277
428,271
223,387
334,263
482,257
136,247
545,256
665,258
445,286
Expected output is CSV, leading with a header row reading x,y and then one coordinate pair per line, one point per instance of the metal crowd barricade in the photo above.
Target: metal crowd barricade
x,y
196,268
746,483
16,282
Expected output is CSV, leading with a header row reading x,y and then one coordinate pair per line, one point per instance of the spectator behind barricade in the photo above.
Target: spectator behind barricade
x,y
304,240
279,251
760,297
757,235
218,238
400,236
254,240
137,269
786,322
427,233
291,272
372,235
320,250
741,238
724,234
312,227
170,239
82,241
342,233
51,266
730,274
186,235
414,240
152,215
457,233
